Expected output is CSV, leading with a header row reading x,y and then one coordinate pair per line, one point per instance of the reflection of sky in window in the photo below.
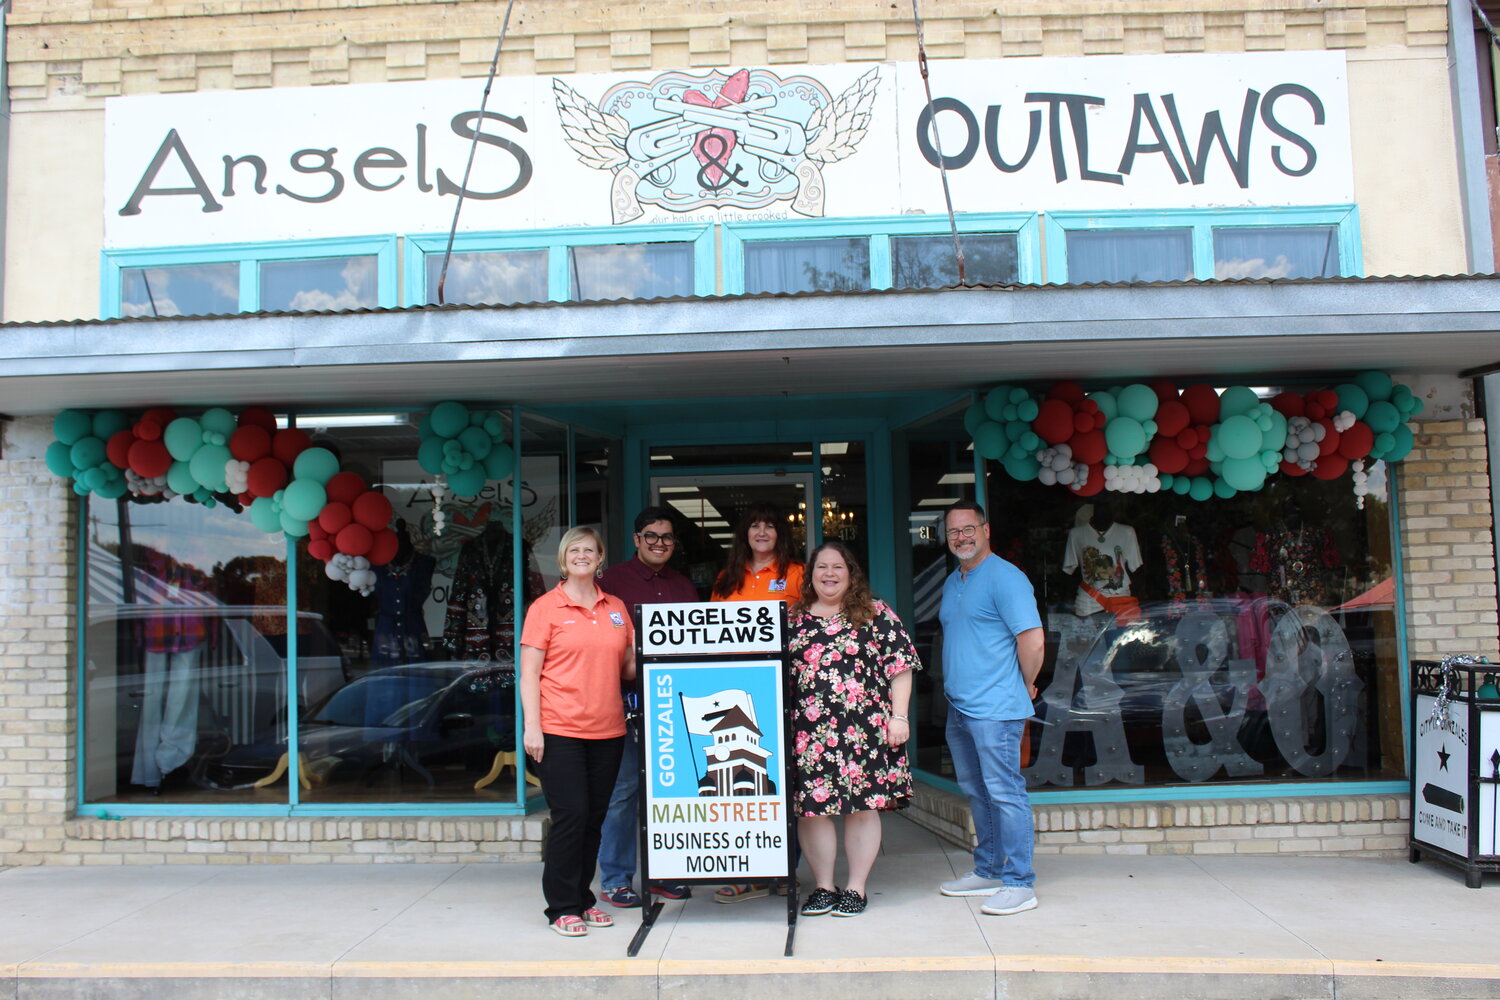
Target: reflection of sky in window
x,y
927,261
318,284
833,265
499,277
1276,252
1130,255
631,271
180,290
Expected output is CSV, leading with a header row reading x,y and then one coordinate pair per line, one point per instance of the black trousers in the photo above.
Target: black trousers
x,y
578,776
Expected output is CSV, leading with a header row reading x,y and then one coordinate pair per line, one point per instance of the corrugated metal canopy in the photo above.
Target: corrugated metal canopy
x,y
802,344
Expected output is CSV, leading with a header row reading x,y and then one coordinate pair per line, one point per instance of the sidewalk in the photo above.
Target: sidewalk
x,y
1108,926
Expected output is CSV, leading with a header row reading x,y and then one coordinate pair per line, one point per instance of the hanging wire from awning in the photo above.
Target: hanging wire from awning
x,y
473,146
1485,20
937,143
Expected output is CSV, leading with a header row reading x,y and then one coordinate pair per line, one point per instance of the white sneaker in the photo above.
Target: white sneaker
x,y
969,884
1010,899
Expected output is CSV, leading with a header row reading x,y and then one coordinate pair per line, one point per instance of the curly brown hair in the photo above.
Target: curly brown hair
x,y
859,602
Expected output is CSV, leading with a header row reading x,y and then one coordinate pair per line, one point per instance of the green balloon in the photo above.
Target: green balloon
x,y
182,437
59,459
494,425
1138,402
1382,417
1202,488
447,419
1125,437
1352,398
180,479
264,515
1274,439
1383,443
1181,485
1030,441
973,417
1108,405
1377,385
207,466
995,402
93,478
303,500
219,421
112,489
475,441
295,527
500,462
1015,428
430,455
70,425
317,465
108,423
467,482
1240,437
1028,409
1237,400
1244,473
1023,469
87,452
1403,443
1401,398
990,440
1223,490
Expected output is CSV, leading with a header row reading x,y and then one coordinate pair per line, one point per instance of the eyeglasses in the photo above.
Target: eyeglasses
x,y
967,531
652,538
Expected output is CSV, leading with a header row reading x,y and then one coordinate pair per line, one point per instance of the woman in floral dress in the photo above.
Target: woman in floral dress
x,y
853,664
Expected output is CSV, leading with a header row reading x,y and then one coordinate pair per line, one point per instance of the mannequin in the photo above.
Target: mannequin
x,y
402,587
1104,554
172,639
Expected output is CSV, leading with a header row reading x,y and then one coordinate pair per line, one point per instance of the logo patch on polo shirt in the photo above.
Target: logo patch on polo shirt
x,y
617,618
777,586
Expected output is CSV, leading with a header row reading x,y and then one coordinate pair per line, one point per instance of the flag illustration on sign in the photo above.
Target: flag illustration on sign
x,y
736,762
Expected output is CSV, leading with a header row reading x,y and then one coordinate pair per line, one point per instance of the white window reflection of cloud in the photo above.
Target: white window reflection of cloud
x,y
354,287
489,278
1257,267
182,290
632,271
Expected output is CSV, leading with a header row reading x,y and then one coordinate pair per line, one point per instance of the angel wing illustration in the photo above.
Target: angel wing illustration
x,y
597,138
836,129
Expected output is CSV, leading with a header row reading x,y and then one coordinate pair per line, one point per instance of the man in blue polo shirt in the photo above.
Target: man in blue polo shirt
x,y
993,646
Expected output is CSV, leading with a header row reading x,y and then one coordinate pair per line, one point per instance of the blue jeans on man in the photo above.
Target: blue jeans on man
x,y
618,839
987,760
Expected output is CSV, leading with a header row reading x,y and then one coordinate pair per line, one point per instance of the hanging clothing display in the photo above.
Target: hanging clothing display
x,y
401,590
481,622
172,639
1103,560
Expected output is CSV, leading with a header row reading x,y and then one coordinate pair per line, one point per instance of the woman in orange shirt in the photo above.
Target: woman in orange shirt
x,y
577,646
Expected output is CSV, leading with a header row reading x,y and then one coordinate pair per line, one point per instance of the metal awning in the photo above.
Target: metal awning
x,y
887,341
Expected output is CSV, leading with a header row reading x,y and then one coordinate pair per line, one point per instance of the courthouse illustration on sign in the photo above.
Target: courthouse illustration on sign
x,y
744,141
736,762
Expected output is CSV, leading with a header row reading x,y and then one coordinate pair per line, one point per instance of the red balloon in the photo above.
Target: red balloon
x,y
1093,484
1289,405
1168,456
150,458
1171,418
1330,442
345,487
1357,441
1293,469
1327,399
153,422
1314,410
316,531
1068,392
334,517
1089,447
1083,422
250,444
1197,466
354,540
1188,439
372,510
1054,422
246,499
266,477
321,549
383,547
288,444
258,416
1202,402
117,449
1166,392
1330,466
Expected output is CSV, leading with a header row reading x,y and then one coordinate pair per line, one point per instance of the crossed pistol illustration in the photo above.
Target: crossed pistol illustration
x,y
779,140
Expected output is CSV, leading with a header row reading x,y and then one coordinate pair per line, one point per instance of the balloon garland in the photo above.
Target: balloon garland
x,y
463,450
1195,442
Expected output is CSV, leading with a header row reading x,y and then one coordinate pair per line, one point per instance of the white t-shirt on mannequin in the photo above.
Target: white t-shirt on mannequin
x,y
1103,560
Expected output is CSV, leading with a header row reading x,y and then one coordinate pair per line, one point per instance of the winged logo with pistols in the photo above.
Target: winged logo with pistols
x,y
744,141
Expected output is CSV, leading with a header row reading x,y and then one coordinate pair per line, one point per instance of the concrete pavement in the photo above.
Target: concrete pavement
x,y
1112,926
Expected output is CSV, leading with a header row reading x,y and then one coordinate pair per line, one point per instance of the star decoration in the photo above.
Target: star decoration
x,y
1443,756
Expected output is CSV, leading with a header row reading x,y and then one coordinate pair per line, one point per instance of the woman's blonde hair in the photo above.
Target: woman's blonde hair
x,y
572,537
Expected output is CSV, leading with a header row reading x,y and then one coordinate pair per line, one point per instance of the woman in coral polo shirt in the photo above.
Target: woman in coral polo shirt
x,y
577,646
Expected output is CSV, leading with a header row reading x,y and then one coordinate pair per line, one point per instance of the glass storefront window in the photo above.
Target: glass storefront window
x,y
319,283
1276,252
927,261
630,271
830,265
180,290
492,277
1106,255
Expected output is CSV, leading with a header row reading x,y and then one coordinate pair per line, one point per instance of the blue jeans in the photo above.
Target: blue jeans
x,y
618,839
987,757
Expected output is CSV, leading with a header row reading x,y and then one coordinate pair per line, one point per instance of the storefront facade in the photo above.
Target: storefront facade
x,y
704,267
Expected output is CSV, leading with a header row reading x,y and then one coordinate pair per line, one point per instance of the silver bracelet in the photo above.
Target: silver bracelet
x,y
901,717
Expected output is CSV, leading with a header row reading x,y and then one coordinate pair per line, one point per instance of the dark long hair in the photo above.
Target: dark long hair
x,y
739,552
858,604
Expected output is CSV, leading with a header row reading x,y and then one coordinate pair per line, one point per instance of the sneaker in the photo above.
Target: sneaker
x,y
969,884
1010,899
850,904
820,902
624,897
672,890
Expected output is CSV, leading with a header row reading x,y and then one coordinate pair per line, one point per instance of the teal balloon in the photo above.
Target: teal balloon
x,y
80,489
1030,441
219,421
990,440
974,416
1237,400
264,515
112,489
1028,409
1244,473
447,419
207,466
1383,443
1014,429
1125,437
1353,398
430,455
995,402
93,478
293,526
494,425
1181,485
475,441
304,499
1223,490
1108,405
1274,439
1377,385
59,459
1417,405
204,497
70,425
1382,417
1271,460
87,452
1202,488
1404,440
1240,437
467,482
1402,398
108,423
180,479
1138,402
1023,469
500,462
182,437
317,465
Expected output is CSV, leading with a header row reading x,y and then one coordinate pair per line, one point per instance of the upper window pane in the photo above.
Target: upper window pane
x,y
319,283
180,290
835,265
927,261
492,277
1277,252
1130,255
630,271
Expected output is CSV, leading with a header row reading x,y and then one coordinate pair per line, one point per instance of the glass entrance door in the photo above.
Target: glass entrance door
x,y
710,504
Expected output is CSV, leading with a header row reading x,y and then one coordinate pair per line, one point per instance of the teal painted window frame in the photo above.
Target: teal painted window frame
x,y
879,229
1202,222
249,256
557,243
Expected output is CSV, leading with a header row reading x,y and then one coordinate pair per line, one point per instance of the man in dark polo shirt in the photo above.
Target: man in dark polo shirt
x,y
644,579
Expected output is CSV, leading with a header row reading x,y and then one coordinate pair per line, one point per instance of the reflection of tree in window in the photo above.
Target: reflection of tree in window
x,y
928,261
832,265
